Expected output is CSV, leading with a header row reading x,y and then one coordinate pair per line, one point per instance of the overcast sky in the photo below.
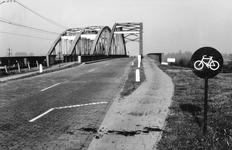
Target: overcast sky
x,y
169,25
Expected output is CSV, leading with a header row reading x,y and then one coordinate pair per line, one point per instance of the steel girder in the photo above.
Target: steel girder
x,y
75,41
129,32
113,41
71,31
99,31
87,31
98,40
101,40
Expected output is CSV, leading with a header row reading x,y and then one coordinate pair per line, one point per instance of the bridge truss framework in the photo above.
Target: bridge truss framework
x,y
95,42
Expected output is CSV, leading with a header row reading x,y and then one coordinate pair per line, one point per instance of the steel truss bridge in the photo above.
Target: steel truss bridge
x,y
95,42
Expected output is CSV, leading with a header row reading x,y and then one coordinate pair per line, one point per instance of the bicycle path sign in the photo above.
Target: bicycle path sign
x,y
207,62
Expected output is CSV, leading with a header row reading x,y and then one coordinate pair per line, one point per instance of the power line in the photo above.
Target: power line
x,y
26,35
27,27
55,23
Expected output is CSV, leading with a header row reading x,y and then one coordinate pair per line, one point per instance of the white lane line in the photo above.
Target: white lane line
x,y
73,106
64,107
32,120
50,87
91,70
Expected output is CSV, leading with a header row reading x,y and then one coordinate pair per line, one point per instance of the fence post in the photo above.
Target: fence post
x,y
79,59
40,68
137,75
37,63
19,68
6,69
28,64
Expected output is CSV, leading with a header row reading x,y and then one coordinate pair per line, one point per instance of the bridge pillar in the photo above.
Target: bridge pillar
x,y
66,46
47,60
60,51
141,39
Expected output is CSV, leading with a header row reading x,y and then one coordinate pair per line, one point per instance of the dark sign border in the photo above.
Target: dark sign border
x,y
206,72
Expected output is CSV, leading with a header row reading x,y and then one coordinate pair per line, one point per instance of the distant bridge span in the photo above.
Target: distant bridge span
x,y
125,32
94,42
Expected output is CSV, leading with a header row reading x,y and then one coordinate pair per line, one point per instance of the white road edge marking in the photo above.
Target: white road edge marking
x,y
50,87
91,70
64,107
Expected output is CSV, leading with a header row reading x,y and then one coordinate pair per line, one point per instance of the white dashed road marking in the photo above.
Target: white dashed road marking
x,y
91,70
50,87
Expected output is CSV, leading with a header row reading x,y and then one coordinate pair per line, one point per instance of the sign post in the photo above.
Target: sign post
x,y
205,106
207,62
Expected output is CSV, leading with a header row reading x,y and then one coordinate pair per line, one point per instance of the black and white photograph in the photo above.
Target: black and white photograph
x,y
115,75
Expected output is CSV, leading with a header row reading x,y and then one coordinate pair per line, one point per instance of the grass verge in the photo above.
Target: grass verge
x,y
130,85
184,124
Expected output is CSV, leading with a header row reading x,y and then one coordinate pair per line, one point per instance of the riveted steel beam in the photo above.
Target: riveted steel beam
x,y
52,48
99,35
110,40
130,31
75,41
68,32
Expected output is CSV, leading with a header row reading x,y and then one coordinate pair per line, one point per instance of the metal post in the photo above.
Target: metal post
x,y
205,106
141,39
48,60
60,50
66,46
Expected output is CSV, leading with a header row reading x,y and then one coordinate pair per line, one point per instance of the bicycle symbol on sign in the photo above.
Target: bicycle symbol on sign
x,y
208,62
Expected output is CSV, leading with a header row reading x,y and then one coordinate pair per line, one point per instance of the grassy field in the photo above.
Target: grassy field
x,y
183,129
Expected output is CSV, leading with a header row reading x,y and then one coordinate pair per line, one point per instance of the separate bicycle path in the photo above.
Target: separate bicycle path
x,y
136,122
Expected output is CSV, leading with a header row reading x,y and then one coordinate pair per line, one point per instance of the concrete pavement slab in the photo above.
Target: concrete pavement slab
x,y
136,122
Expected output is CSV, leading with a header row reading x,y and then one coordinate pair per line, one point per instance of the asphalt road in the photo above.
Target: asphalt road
x,y
59,110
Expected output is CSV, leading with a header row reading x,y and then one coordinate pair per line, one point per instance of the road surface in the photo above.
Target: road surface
x,y
60,109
